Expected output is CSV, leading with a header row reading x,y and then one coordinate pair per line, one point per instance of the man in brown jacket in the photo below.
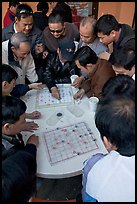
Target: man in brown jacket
x,y
98,71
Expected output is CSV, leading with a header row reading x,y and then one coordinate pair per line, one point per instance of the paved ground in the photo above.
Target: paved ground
x,y
59,189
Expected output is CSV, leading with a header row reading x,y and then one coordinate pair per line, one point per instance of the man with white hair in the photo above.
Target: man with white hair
x,y
16,53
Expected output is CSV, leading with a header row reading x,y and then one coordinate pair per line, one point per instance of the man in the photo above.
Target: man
x,y
10,14
24,23
109,31
16,52
88,37
57,30
58,66
123,61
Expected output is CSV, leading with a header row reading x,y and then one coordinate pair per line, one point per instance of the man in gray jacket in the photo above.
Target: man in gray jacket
x,y
16,53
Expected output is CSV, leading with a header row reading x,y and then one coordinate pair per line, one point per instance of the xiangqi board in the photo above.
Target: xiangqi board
x,y
68,142
45,99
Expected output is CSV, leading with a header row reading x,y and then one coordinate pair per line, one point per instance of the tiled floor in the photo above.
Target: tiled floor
x,y
59,189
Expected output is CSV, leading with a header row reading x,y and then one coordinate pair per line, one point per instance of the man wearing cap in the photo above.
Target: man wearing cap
x,y
57,68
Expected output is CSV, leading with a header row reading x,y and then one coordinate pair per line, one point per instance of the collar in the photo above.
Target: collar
x,y
11,58
13,139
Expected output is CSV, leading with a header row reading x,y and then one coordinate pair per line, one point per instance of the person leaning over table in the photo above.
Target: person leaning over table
x,y
16,52
18,160
24,22
57,30
58,67
98,71
9,88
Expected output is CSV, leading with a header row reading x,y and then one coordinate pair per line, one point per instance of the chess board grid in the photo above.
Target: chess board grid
x,y
56,148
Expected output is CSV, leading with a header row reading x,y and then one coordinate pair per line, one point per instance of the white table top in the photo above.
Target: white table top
x,y
70,167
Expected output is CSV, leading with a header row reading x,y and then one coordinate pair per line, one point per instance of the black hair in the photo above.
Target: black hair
x,y
55,17
18,177
115,119
43,6
13,3
121,85
23,11
123,57
85,55
8,73
12,109
105,24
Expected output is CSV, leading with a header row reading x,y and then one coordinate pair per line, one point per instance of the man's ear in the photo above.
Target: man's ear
x,y
12,48
4,84
109,146
113,33
7,128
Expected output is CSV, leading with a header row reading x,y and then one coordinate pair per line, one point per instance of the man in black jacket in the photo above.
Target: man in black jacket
x,y
57,67
109,30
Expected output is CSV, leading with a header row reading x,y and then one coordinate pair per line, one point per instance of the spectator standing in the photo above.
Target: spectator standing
x,y
123,61
58,30
62,8
109,30
10,14
88,37
16,53
40,18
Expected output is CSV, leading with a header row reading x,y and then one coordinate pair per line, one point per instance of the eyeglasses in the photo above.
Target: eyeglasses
x,y
25,11
56,31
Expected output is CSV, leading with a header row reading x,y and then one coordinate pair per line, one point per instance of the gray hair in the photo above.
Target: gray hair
x,y
88,20
18,38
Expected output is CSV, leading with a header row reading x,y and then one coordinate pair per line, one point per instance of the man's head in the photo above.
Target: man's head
x,y
13,6
123,61
9,76
85,58
106,29
115,120
20,45
66,50
24,18
120,85
56,25
86,29
13,115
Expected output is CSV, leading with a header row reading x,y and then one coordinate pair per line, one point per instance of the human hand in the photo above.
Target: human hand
x,y
45,54
30,126
39,48
78,81
33,115
55,93
79,94
37,85
33,139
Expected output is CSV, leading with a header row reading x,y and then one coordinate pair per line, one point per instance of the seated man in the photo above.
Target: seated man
x,y
57,67
57,30
99,71
123,61
111,177
9,76
19,160
16,53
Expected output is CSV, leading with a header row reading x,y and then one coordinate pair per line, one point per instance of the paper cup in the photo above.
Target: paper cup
x,y
93,101
73,77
